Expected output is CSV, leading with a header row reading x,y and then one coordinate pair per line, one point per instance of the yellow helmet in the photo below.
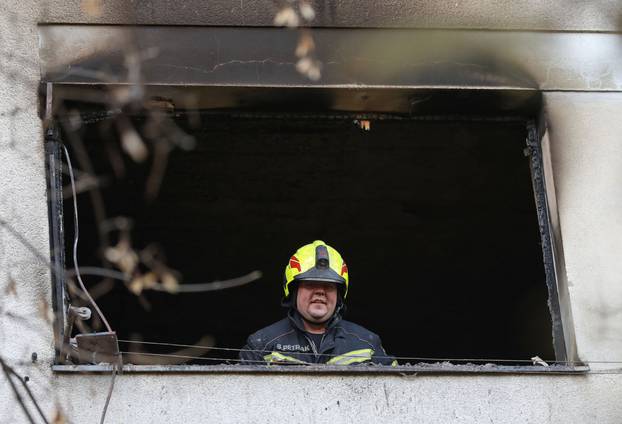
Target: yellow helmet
x,y
316,261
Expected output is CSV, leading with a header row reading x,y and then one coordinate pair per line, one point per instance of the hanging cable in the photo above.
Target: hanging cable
x,y
114,375
201,358
79,278
75,242
403,358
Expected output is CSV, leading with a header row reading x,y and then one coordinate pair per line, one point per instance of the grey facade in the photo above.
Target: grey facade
x,y
568,52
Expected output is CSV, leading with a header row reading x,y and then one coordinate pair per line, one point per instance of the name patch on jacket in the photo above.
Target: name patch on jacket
x,y
292,348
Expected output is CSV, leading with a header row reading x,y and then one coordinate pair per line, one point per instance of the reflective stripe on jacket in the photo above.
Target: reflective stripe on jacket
x,y
343,343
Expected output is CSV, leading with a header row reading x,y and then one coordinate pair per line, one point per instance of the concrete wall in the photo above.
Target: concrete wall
x,y
24,279
586,147
347,399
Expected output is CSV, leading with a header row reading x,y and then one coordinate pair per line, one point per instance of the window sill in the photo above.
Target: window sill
x,y
327,369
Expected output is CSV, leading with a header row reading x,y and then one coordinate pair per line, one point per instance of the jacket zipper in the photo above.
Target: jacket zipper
x,y
313,347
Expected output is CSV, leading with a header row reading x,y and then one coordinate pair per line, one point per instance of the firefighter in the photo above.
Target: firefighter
x,y
315,287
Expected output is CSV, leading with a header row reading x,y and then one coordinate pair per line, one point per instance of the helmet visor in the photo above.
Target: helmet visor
x,y
318,274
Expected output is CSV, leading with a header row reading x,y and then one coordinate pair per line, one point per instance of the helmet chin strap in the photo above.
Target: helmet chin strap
x,y
290,301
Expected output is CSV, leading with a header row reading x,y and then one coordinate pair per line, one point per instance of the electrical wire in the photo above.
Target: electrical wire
x,y
400,368
79,278
209,358
114,374
403,358
203,358
75,243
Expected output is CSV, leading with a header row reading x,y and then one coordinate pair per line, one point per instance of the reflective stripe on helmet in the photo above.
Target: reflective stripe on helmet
x,y
319,262
353,357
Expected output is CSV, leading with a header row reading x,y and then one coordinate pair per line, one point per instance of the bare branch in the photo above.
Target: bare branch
x,y
215,285
29,392
181,288
7,372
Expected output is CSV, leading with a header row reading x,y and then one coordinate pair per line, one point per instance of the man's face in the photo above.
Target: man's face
x,y
316,300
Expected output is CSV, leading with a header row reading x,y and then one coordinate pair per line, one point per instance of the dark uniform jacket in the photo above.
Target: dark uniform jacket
x,y
286,342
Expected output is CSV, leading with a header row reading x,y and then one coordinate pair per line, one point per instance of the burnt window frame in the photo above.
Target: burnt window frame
x,y
540,166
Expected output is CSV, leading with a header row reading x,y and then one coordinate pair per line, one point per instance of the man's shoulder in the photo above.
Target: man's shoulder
x,y
356,330
357,335
264,336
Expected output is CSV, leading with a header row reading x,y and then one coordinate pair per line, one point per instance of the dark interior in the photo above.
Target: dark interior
x,y
435,218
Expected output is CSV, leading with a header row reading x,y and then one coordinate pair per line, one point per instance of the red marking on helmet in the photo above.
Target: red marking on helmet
x,y
294,263
344,269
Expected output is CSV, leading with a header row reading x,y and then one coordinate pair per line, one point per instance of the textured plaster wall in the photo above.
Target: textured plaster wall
x,y
587,152
24,279
347,399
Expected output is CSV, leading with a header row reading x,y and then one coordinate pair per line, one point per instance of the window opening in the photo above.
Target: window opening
x,y
435,217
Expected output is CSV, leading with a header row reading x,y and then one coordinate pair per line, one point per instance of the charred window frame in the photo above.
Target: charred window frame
x,y
244,57
553,261
60,300
543,207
